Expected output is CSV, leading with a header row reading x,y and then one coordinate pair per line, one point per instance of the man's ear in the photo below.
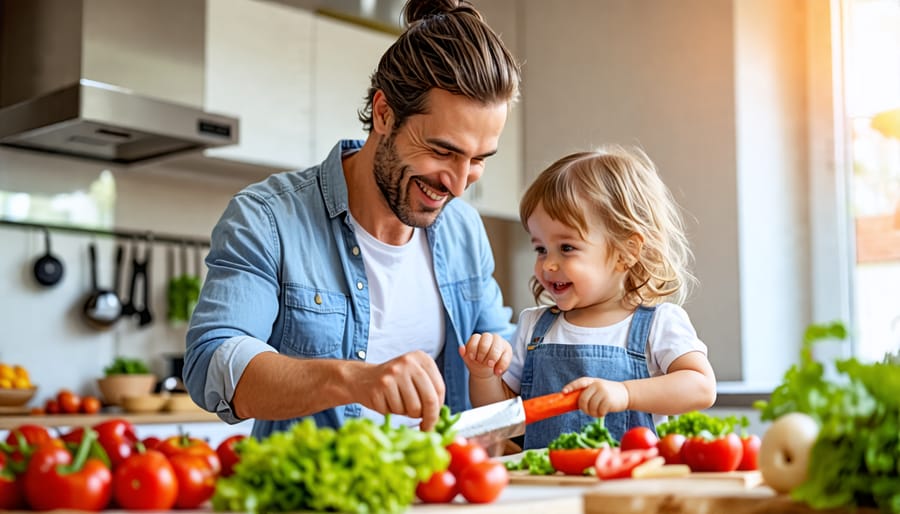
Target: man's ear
x,y
382,114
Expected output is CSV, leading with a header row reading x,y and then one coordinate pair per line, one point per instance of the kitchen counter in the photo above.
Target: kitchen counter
x,y
8,422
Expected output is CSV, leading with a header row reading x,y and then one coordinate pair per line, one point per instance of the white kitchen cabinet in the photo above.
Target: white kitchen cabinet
x,y
345,57
259,67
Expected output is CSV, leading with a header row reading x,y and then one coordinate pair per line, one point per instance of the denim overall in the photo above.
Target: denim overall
x,y
548,367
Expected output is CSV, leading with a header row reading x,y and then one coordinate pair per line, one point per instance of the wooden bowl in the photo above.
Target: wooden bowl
x,y
16,397
115,387
181,402
144,403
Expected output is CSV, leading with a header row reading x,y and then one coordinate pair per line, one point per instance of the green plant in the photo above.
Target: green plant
x,y
127,366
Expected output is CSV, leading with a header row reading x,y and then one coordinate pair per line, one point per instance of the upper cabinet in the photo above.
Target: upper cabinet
x,y
259,67
345,57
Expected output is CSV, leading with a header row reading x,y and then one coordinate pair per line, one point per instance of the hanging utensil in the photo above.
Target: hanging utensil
x,y
139,274
48,269
102,307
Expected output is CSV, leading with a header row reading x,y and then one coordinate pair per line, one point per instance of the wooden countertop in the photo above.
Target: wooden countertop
x,y
8,422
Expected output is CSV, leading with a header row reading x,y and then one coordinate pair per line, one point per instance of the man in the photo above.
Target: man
x,y
346,289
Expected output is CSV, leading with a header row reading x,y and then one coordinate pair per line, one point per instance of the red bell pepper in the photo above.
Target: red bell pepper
x,y
117,437
56,480
11,495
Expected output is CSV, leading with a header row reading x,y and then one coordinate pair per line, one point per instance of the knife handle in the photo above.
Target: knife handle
x,y
549,405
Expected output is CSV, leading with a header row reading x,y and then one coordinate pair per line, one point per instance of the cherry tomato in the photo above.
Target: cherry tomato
x,y
196,479
463,454
440,488
145,481
574,461
615,463
51,406
482,482
228,457
69,402
720,454
190,445
638,438
750,446
670,448
90,405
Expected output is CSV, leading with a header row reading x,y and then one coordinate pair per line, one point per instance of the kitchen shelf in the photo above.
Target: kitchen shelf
x,y
8,422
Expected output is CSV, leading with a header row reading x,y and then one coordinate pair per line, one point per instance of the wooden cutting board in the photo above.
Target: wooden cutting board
x,y
693,496
740,479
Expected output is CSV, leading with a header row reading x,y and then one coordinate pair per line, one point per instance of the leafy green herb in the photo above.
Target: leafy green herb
x,y
537,462
592,435
359,467
855,460
126,366
696,423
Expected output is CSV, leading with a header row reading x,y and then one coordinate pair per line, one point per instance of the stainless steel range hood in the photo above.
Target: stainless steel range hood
x,y
100,121
116,81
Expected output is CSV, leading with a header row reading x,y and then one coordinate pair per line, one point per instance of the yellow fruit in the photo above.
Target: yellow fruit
x,y
5,383
7,372
21,383
21,372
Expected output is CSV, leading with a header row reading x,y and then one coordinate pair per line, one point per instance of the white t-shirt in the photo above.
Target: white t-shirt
x,y
671,336
405,308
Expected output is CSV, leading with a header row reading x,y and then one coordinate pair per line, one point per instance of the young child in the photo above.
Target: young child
x,y
611,255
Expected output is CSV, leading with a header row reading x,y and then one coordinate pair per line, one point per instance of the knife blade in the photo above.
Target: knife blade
x,y
494,422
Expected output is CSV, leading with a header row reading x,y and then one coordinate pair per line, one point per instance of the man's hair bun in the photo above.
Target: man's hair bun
x,y
416,10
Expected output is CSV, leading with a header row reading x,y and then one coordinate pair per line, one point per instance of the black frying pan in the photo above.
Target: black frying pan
x,y
48,270
103,306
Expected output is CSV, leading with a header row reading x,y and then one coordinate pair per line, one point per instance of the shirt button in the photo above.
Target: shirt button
x,y
359,285
355,250
361,354
318,299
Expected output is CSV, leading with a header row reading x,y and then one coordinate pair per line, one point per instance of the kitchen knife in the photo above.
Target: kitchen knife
x,y
494,422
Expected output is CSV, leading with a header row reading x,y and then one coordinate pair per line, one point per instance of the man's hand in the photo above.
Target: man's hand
x,y
486,355
410,385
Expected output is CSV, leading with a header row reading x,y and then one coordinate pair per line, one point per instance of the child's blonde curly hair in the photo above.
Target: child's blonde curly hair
x,y
619,189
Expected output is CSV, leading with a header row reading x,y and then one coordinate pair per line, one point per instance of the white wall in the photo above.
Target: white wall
x,y
42,327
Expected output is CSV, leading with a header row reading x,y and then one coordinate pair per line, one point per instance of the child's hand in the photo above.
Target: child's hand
x,y
599,397
486,355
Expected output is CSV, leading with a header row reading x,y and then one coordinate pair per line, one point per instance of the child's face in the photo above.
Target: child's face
x,y
576,271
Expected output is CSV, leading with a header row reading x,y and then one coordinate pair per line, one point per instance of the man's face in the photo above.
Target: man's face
x,y
433,157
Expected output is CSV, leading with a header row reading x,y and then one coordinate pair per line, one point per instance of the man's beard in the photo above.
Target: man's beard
x,y
389,172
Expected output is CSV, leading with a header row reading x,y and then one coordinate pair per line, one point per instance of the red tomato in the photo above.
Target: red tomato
x,y
116,436
151,442
638,438
90,405
69,402
440,488
32,435
750,446
196,479
51,406
482,482
670,448
228,457
463,454
11,495
192,446
145,481
574,461
720,454
49,485
615,463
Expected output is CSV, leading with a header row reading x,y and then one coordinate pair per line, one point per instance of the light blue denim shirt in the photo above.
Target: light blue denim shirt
x,y
285,275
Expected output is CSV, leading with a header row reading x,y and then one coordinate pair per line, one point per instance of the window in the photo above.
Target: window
x,y
871,50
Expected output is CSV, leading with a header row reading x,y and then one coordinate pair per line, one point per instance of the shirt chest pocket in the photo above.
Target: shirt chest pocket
x,y
315,322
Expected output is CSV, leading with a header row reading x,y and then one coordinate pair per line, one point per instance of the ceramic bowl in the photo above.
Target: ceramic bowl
x,y
16,397
115,387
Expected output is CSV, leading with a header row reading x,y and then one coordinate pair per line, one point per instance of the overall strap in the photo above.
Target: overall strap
x,y
639,331
543,324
